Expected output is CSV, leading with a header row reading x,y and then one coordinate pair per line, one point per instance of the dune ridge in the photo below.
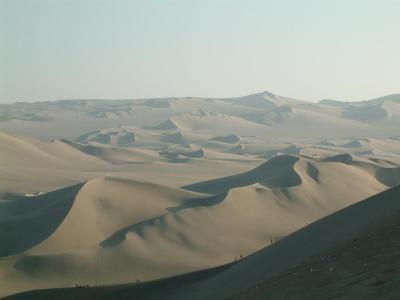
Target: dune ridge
x,y
229,280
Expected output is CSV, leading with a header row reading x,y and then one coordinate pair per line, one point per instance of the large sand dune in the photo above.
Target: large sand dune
x,y
359,226
114,191
119,230
294,249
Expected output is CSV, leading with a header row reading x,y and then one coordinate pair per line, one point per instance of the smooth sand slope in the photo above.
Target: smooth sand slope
x,y
367,266
28,165
292,250
121,230
71,253
364,223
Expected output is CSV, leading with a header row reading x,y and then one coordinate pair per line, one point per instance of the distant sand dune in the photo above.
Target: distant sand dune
x,y
230,139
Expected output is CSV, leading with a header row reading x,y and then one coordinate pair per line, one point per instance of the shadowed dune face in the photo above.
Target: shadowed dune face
x,y
366,113
230,139
181,155
344,158
174,138
388,176
353,144
363,267
28,221
166,125
113,136
277,172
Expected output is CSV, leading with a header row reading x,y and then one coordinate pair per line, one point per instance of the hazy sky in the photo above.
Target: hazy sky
x,y
307,49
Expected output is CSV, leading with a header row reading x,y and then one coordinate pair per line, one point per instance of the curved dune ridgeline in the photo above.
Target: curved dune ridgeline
x,y
28,221
277,172
119,230
331,239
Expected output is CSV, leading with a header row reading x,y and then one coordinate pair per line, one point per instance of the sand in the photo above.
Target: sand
x,y
110,192
347,261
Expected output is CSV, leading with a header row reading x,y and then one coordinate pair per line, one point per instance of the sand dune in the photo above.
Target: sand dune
x,y
111,191
71,252
244,280
360,267
114,136
292,250
166,125
230,139
28,221
265,100
125,225
114,155
290,117
109,214
277,172
353,144
209,122
37,152
174,154
173,138
29,165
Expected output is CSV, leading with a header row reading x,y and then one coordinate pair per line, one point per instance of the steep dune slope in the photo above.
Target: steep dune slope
x,y
28,165
113,136
370,224
104,205
28,221
365,266
324,233
280,171
26,152
70,228
277,172
245,218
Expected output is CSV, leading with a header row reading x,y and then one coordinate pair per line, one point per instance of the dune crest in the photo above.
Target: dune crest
x,y
178,184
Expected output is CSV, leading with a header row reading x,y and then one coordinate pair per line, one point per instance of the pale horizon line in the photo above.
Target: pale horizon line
x,y
188,97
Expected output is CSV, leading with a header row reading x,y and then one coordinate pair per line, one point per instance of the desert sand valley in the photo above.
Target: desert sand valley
x,y
191,198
